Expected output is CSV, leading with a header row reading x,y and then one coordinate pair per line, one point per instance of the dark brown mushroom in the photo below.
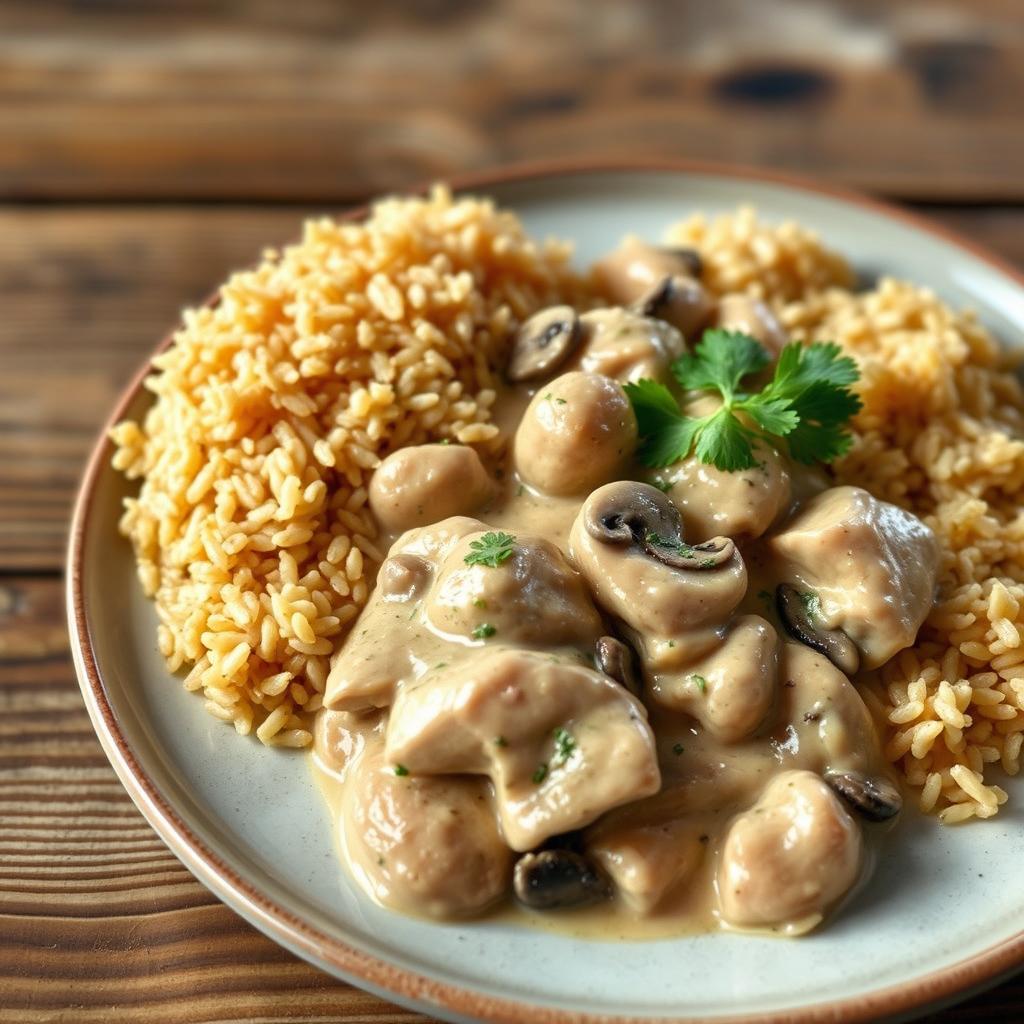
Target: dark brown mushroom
x,y
616,659
543,343
796,612
557,879
873,798
636,513
689,258
678,300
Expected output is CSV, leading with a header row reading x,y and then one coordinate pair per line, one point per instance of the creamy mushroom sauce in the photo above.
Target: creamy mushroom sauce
x,y
608,711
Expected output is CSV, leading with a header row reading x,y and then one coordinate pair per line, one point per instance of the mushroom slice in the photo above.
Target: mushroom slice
x,y
561,743
873,798
796,615
558,878
635,513
543,343
616,659
678,300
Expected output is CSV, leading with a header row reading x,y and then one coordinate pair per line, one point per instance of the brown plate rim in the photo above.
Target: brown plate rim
x,y
412,988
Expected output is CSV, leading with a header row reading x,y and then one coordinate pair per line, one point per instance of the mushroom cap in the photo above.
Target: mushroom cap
x,y
794,608
543,343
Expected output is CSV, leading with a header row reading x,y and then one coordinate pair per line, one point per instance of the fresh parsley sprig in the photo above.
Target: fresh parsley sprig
x,y
491,549
807,403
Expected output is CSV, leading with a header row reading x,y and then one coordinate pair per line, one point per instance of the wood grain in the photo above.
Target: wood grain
x,y
87,293
324,101
98,920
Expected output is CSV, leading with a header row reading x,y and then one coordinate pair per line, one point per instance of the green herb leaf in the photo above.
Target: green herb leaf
x,y
564,745
677,749
483,631
491,549
807,404
500,741
700,682
401,770
540,773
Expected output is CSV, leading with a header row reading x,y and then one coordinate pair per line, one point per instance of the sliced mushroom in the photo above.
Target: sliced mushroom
x,y
689,258
616,659
796,616
873,798
635,513
543,343
678,300
555,879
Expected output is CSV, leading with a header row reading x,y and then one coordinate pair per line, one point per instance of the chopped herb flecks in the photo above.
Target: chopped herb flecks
x,y
483,631
401,770
500,741
540,773
491,549
700,682
677,749
564,745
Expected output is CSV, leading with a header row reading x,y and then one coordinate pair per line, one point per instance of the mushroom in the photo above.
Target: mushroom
x,y
558,878
402,576
873,798
616,659
543,343
795,613
678,300
635,513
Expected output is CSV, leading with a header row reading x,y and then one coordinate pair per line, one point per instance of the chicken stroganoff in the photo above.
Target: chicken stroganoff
x,y
614,665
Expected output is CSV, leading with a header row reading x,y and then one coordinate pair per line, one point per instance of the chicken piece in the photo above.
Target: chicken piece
x,y
579,431
425,483
422,845
432,608
790,858
626,345
730,691
865,567
561,743
646,862
742,504
627,541
744,313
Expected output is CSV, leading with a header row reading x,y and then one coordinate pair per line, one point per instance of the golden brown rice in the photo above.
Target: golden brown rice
x,y
940,434
251,528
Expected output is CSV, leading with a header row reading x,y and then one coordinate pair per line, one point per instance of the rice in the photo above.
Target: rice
x,y
251,528
942,434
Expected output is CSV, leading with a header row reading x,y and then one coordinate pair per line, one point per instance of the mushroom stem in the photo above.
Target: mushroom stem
x,y
615,659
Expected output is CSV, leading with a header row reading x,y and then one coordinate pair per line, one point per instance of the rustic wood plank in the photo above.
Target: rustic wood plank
x,y
257,101
98,920
86,294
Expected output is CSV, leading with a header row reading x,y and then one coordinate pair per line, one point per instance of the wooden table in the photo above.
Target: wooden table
x,y
148,149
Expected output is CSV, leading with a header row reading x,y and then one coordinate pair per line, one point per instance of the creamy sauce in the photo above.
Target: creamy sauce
x,y
466,713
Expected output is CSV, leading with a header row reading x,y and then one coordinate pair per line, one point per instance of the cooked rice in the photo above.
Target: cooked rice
x,y
251,527
942,434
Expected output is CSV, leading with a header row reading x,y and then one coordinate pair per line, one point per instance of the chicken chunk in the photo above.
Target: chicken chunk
x,y
561,743
426,483
427,846
436,608
626,345
744,313
742,504
731,689
865,567
789,858
578,432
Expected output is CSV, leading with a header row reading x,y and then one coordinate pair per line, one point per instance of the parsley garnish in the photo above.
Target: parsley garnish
x,y
483,631
401,770
491,549
540,773
500,741
807,402
677,749
701,683
564,745
811,603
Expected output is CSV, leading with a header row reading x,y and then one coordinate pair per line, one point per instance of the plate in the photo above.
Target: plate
x,y
941,917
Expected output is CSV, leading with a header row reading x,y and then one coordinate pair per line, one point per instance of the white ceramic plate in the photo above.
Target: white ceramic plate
x,y
942,916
